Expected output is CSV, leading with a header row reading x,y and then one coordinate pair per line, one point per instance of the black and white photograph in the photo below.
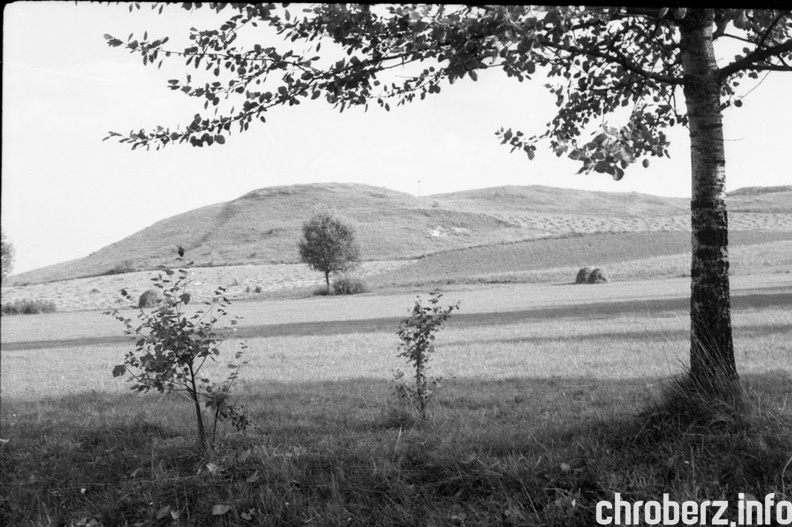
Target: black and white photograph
x,y
395,265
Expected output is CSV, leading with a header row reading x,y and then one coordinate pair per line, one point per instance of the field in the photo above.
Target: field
x,y
625,256
552,399
552,396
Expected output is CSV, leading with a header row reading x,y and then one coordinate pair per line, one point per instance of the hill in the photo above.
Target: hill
x,y
262,226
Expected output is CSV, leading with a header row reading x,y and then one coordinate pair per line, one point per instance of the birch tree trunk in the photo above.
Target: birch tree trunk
x,y
712,361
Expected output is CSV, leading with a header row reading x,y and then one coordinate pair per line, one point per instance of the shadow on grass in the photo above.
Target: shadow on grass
x,y
513,452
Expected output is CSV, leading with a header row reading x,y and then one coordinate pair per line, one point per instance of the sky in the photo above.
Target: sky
x,y
66,193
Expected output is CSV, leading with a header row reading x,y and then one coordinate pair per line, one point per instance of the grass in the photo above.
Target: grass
x,y
475,266
28,307
527,451
627,255
549,405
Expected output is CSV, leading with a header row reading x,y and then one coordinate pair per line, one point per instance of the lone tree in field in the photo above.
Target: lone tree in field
x,y
328,245
645,69
7,255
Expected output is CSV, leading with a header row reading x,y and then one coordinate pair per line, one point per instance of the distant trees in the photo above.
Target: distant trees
x,y
328,245
8,255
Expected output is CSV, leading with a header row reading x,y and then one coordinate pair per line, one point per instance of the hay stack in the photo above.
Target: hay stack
x,y
583,275
149,299
597,276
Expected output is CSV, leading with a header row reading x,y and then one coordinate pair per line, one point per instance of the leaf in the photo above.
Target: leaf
x,y
119,370
220,139
164,511
253,477
220,509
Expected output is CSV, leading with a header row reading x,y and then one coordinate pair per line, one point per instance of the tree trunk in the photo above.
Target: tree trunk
x,y
712,363
327,279
193,393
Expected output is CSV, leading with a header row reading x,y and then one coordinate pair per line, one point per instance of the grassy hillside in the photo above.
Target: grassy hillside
x,y
509,262
263,226
550,200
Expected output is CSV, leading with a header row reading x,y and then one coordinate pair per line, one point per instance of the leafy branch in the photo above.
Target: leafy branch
x,y
172,348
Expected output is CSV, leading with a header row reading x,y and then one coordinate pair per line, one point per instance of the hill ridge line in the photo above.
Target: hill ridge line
x,y
263,225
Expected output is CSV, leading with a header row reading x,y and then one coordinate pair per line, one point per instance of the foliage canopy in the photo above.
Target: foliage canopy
x,y
328,245
7,260
598,61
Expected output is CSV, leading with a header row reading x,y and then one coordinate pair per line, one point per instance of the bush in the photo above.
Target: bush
x,y
417,345
349,285
121,268
28,307
172,346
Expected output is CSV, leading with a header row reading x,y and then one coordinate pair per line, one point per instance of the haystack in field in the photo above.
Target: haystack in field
x,y
597,276
583,275
149,299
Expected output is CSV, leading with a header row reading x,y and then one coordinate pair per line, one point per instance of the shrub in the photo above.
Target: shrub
x,y
417,342
171,349
121,268
28,307
349,285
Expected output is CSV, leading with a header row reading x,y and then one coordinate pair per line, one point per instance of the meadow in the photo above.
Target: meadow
x,y
625,255
553,397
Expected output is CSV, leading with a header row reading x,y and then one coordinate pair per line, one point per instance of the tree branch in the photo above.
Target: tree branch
x,y
773,67
616,59
770,28
749,62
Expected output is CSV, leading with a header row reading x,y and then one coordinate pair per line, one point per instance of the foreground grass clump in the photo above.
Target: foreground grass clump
x,y
28,307
508,452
